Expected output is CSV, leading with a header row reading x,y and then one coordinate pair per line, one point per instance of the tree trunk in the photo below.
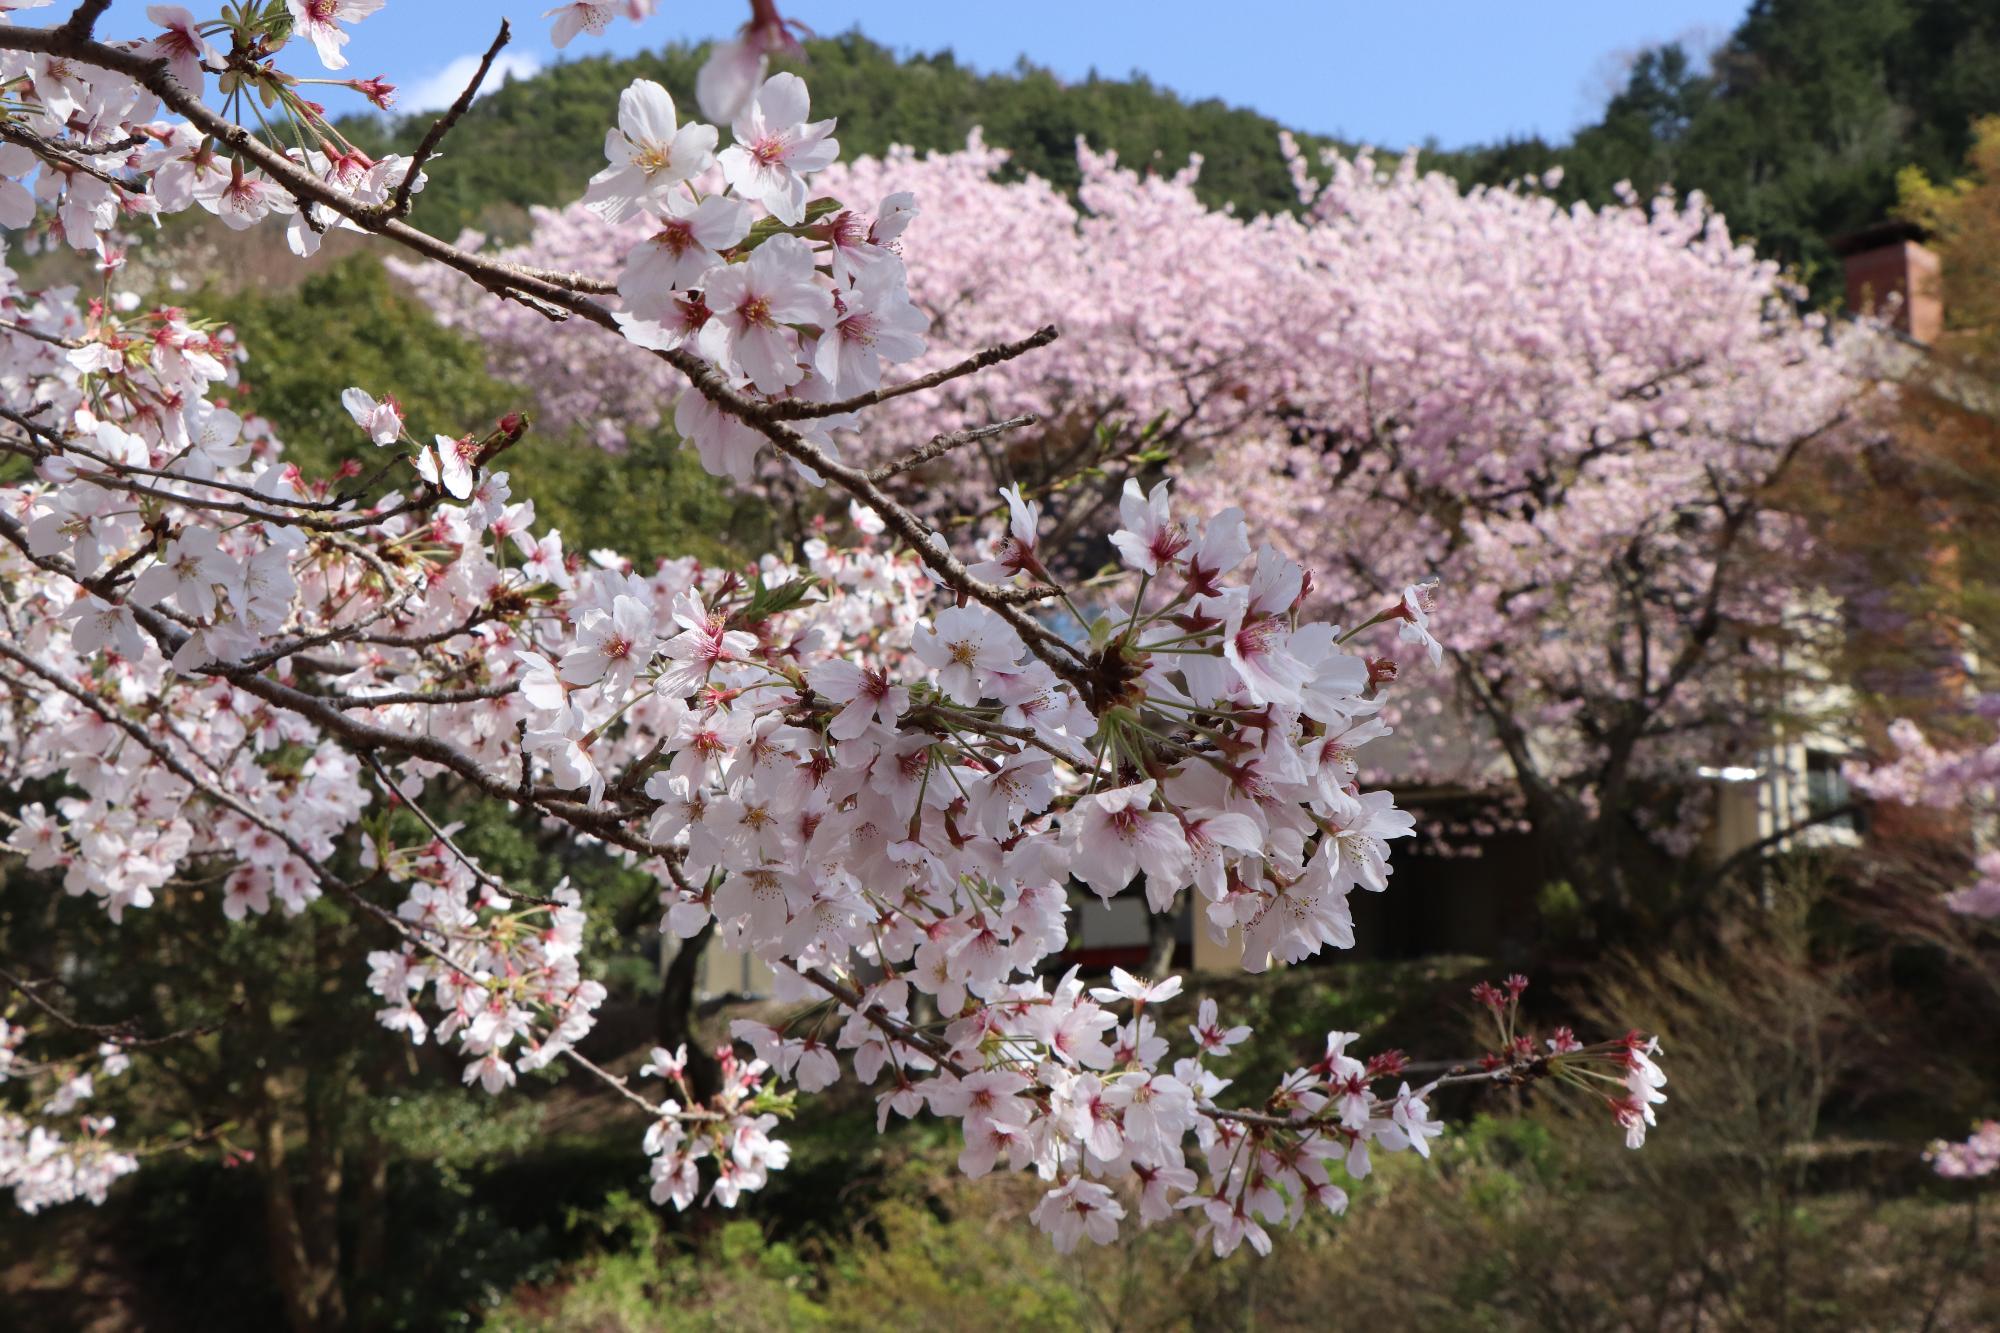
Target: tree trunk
x,y
371,1236
309,1287
1163,931
673,1017
319,1211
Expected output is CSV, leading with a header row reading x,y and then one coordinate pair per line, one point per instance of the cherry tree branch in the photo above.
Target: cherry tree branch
x,y
801,410
113,479
326,878
361,737
767,418
399,206
83,21
60,155
124,1035
1513,1073
940,445
10,326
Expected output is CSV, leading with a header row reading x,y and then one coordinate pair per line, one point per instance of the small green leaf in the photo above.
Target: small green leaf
x,y
766,602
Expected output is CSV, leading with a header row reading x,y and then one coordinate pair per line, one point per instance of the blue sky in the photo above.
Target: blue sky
x,y
1394,73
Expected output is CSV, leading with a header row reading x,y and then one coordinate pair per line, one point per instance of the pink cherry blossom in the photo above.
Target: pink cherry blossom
x,y
679,255
591,16
651,154
382,420
182,46
753,306
318,21
1115,835
967,646
867,696
776,148
870,768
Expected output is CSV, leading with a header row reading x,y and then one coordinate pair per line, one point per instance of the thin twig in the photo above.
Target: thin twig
x,y
123,1035
399,206
423,816
57,154
798,409
10,326
941,445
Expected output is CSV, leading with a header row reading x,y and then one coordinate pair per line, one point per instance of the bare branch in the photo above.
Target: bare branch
x,y
56,154
940,445
399,206
81,23
9,326
124,1035
800,410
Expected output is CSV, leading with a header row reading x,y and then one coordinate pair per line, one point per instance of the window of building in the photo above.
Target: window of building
x,y
1827,791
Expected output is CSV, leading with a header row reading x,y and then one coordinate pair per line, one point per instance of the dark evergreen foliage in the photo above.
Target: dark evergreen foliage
x,y
1798,124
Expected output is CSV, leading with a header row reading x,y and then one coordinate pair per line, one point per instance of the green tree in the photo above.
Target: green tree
x,y
351,324
1798,126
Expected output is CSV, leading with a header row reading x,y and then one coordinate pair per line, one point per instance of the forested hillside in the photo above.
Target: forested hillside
x,y
1796,127
529,142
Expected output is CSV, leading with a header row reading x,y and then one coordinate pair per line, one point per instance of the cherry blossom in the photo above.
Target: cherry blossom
x,y
734,70
1957,775
448,463
1210,1036
876,321
860,761
319,22
193,570
591,16
650,153
1970,1158
382,420
243,199
776,148
677,256
967,646
610,646
1149,538
867,696
1016,552
182,45
753,306
1116,835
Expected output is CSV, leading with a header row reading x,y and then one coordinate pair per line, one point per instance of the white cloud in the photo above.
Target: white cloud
x,y
438,90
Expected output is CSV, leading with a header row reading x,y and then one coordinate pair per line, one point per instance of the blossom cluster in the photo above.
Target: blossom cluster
x,y
62,1153
1050,1079
1969,1158
728,255
735,1132
1622,1072
1955,777
874,767
1566,454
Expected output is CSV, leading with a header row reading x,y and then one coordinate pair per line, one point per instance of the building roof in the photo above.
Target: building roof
x,y
1875,236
